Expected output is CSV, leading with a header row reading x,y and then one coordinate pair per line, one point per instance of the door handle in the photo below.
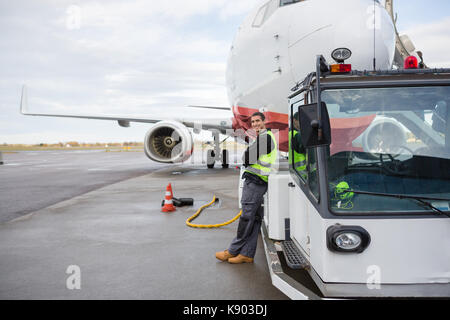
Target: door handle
x,y
291,185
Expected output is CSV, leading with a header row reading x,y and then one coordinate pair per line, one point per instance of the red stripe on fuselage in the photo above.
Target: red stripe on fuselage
x,y
343,131
274,121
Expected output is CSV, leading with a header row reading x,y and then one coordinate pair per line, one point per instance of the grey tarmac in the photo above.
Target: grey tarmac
x,y
113,242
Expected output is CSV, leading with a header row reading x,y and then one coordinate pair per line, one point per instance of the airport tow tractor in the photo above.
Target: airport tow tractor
x,y
368,217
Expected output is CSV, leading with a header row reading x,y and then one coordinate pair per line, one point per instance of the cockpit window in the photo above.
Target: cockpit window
x,y
259,19
260,16
264,13
286,2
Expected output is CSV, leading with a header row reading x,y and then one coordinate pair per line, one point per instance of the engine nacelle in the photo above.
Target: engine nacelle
x,y
169,142
385,135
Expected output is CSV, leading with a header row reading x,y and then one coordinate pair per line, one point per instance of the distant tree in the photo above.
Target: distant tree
x,y
73,143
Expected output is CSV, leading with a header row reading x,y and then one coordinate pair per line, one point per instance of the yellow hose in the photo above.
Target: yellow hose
x,y
209,226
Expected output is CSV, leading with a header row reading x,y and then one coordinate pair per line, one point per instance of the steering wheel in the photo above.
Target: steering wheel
x,y
396,166
397,149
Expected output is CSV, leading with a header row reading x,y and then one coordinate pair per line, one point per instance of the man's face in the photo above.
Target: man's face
x,y
258,124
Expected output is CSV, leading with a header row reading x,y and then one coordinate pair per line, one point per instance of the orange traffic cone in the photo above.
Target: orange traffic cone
x,y
169,187
168,202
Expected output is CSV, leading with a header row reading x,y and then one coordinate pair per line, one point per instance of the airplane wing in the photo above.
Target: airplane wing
x,y
211,108
222,121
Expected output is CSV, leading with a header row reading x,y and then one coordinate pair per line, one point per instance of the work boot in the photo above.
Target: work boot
x,y
224,255
240,259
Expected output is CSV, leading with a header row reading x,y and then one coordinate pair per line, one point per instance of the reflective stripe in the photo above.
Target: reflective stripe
x,y
267,162
264,163
300,164
300,159
259,172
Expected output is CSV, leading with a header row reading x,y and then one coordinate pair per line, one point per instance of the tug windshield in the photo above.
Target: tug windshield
x,y
393,141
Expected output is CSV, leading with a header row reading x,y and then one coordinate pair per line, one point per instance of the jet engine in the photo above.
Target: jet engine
x,y
385,135
169,142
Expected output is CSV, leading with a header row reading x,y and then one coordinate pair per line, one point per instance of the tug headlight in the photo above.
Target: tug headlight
x,y
347,239
341,54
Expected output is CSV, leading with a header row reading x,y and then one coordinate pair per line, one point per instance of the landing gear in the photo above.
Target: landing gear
x,y
216,154
210,159
225,159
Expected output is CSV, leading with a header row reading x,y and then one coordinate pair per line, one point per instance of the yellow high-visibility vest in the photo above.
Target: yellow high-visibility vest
x,y
266,162
299,158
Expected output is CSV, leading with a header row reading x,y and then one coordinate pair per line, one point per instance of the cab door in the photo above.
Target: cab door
x,y
299,217
303,185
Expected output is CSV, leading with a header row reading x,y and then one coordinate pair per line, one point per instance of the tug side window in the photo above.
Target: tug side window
x,y
304,161
312,169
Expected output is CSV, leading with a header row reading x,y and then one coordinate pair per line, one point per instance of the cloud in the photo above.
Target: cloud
x,y
110,57
116,46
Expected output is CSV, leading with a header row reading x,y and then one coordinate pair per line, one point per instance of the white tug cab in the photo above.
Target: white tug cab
x,y
369,218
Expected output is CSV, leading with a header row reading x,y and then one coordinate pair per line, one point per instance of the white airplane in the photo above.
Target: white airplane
x,y
275,48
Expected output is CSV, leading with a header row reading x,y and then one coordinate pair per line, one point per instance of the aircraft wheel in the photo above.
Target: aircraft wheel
x,y
225,159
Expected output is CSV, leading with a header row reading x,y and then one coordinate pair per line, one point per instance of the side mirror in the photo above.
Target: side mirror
x,y
314,133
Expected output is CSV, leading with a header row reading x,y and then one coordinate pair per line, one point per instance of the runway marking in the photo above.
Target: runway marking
x,y
99,169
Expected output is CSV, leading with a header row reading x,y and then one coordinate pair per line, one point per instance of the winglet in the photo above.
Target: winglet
x,y
24,101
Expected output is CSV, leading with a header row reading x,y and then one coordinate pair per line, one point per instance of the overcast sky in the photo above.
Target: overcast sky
x,y
137,56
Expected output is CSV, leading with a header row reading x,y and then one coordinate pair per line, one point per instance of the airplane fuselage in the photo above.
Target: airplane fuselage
x,y
276,47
